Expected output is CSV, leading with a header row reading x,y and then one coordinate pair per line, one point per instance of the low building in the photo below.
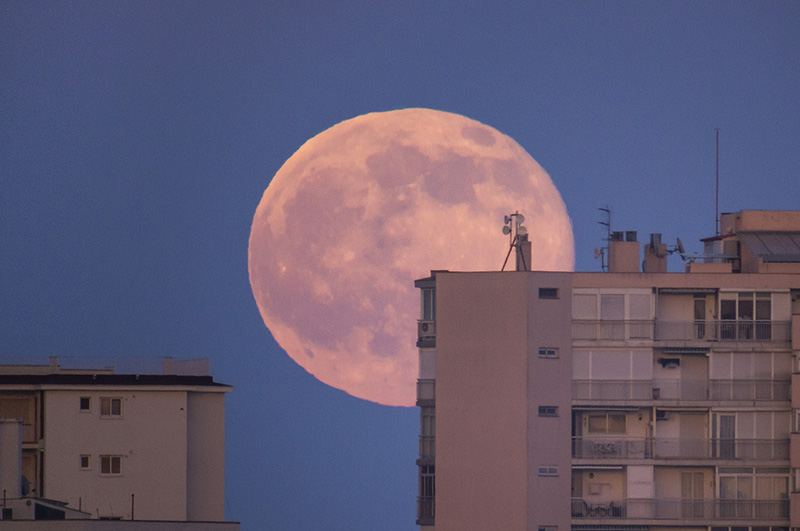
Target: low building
x,y
141,443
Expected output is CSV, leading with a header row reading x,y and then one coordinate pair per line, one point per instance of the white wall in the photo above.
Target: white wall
x,y
151,436
205,479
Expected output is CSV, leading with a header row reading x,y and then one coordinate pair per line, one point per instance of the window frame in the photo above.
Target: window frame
x,y
549,293
88,465
548,411
548,352
110,459
110,400
548,470
88,408
607,430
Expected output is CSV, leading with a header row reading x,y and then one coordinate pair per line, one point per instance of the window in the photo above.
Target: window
x,y
427,491
548,411
428,304
548,528
86,403
427,431
86,462
748,315
548,470
607,423
548,293
548,352
110,407
111,465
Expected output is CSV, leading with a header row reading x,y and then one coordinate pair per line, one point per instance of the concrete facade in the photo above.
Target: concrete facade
x,y
619,400
118,446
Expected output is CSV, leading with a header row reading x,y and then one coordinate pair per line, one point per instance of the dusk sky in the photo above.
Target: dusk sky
x,y
137,138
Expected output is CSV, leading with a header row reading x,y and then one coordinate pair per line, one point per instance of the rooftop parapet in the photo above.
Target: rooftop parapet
x,y
104,365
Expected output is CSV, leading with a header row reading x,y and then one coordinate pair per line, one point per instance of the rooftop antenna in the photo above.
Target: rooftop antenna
x,y
716,214
600,252
516,233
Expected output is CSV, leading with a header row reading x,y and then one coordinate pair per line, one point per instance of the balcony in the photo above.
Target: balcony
x,y
427,446
426,510
612,330
596,448
675,509
711,330
682,389
426,389
725,330
28,433
426,333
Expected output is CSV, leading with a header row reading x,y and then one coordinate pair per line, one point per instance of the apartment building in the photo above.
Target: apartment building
x,y
627,400
112,443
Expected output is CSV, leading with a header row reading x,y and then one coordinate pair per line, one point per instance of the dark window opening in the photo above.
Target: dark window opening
x,y
548,293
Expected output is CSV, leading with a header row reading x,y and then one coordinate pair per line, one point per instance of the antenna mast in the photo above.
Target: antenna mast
x,y
600,252
517,239
716,215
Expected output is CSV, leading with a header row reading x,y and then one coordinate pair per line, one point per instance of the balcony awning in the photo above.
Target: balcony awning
x,y
701,351
686,291
590,407
610,527
597,467
773,246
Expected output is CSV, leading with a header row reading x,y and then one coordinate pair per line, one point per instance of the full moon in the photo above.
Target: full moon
x,y
366,207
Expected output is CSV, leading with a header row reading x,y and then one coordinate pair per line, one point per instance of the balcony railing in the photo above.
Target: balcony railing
x,y
683,448
427,446
28,433
682,389
674,509
426,508
710,330
426,389
612,330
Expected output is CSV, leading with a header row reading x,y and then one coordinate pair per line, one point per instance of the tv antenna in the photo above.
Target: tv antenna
x,y
517,233
716,214
600,252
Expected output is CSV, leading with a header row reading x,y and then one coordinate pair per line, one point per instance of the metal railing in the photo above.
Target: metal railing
x,y
612,330
426,507
427,446
106,364
683,448
426,389
723,330
674,509
709,330
682,389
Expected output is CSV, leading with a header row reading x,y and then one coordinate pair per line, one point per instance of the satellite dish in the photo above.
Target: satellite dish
x,y
681,248
506,219
506,229
520,218
597,253
522,230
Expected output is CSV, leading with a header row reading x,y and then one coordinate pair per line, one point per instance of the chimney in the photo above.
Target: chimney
x,y
524,253
623,252
655,256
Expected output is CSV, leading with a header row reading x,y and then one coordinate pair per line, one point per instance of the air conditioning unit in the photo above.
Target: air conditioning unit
x,y
661,414
426,329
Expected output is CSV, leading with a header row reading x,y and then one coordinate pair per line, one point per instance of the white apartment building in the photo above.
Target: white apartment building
x,y
627,400
143,445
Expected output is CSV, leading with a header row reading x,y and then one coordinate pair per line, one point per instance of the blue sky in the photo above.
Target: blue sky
x,y
136,139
